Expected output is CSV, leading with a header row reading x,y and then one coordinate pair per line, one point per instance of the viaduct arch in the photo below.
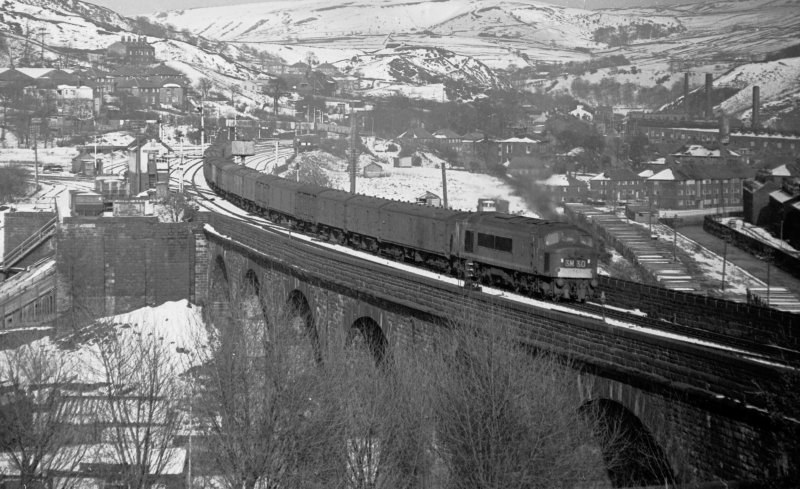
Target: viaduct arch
x,y
673,399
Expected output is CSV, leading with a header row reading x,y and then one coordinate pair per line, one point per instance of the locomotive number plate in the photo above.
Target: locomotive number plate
x,y
570,263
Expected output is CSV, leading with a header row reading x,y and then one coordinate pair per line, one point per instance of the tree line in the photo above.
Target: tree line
x,y
612,92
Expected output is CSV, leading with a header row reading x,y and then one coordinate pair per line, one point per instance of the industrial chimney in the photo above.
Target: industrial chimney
x,y
724,129
709,86
686,92
756,106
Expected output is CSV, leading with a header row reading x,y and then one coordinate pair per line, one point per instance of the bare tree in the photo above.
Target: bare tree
x,y
277,89
311,172
177,207
38,429
505,418
204,86
143,397
379,432
256,401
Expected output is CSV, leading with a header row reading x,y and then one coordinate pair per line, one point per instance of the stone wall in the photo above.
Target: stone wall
x,y
19,226
112,265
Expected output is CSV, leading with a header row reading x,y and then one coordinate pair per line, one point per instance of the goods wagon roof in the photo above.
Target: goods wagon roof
x,y
311,189
286,184
419,210
244,171
334,194
228,167
367,201
266,179
500,220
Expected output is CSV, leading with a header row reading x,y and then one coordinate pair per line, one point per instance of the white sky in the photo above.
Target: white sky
x,y
126,7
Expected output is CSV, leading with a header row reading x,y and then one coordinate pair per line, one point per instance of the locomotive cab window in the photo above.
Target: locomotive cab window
x,y
498,243
469,240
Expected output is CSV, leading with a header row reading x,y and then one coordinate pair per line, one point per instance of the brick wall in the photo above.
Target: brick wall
x,y
711,387
20,226
113,265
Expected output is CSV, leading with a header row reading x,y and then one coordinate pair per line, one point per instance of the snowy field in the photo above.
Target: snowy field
x,y
407,184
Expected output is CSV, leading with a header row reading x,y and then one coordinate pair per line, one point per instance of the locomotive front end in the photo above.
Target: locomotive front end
x,y
571,261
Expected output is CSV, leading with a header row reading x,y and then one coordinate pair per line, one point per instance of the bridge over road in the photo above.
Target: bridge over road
x,y
704,405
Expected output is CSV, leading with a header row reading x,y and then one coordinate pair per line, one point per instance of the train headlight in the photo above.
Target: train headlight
x,y
560,282
594,283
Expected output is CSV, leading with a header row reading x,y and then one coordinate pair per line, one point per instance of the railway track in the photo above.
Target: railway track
x,y
756,351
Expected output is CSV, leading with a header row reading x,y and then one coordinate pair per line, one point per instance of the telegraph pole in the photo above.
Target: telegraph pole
x,y
353,151
34,128
444,185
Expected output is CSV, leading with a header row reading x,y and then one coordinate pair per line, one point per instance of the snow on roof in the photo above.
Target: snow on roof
x,y
784,171
20,281
701,151
446,134
35,72
780,196
658,161
575,151
599,176
558,180
646,173
518,140
663,175
416,133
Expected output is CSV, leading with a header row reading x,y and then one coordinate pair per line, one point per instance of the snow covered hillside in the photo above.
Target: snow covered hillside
x,y
499,32
779,81
73,25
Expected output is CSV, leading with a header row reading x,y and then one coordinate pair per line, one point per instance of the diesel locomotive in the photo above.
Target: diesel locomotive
x,y
532,256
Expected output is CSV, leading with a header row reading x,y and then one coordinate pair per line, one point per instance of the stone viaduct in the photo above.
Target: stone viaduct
x,y
699,410
694,407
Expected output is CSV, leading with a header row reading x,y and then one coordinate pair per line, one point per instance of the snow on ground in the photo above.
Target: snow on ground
x,y
463,188
178,324
57,156
433,91
737,280
406,184
116,138
759,233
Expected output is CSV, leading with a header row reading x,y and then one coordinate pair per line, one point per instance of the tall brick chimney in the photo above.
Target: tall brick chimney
x,y
686,92
709,86
724,129
756,106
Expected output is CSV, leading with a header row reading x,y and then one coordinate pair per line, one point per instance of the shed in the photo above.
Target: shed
x,y
85,164
402,162
86,203
373,170
429,198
